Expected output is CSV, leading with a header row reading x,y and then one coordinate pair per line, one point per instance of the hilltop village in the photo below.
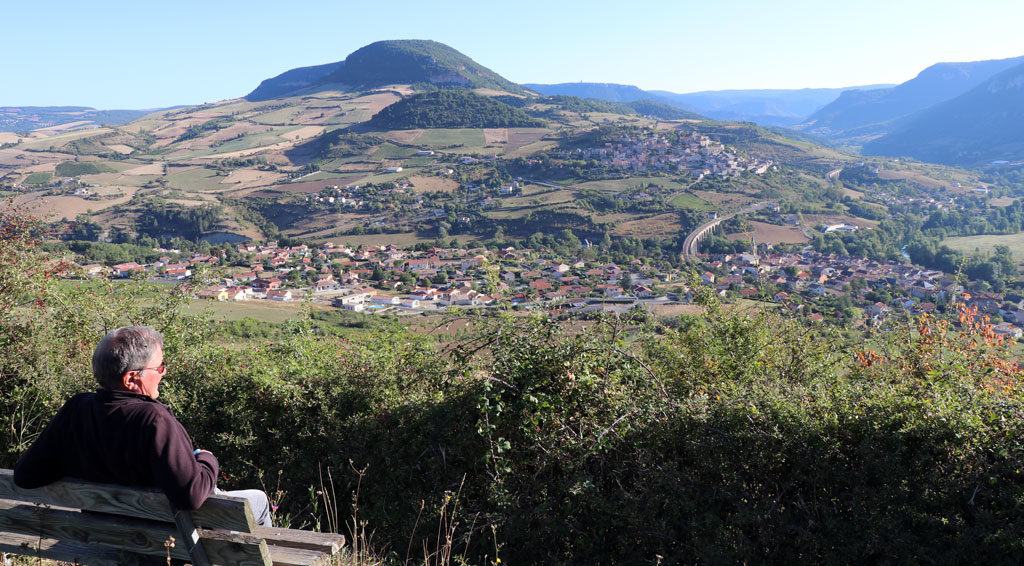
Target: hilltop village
x,y
385,279
647,150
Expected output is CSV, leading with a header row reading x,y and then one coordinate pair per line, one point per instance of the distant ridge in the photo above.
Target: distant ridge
x,y
769,107
859,115
610,92
982,125
407,61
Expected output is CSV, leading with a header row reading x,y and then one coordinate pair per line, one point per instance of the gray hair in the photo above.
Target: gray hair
x,y
122,350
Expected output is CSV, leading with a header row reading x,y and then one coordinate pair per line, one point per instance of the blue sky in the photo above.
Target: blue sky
x,y
141,54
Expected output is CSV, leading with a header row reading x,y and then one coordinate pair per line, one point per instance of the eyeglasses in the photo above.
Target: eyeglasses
x,y
161,369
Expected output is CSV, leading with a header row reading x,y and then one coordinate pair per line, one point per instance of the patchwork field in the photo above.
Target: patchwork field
x,y
9,137
59,141
771,234
57,207
661,225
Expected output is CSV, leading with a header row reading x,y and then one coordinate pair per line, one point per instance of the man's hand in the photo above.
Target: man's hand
x,y
200,451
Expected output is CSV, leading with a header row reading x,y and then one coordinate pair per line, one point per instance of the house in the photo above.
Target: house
x,y
93,269
126,269
284,295
266,284
878,309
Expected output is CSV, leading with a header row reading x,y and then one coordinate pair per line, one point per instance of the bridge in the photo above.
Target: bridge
x,y
701,232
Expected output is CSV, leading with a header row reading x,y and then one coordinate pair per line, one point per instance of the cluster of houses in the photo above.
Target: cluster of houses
x,y
696,154
387,278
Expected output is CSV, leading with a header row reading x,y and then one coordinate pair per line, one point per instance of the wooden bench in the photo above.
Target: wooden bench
x,y
91,523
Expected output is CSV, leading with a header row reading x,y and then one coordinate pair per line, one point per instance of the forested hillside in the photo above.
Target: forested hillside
x,y
451,109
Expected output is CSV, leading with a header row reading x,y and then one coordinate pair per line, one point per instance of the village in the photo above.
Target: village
x,y
387,280
695,153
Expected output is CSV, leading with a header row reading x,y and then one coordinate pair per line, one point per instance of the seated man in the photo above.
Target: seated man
x,y
121,434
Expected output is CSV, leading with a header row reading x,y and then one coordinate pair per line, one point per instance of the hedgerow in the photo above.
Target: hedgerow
x,y
734,437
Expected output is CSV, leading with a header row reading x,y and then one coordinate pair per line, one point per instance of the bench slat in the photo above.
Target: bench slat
x,y
219,511
330,543
285,556
66,551
137,536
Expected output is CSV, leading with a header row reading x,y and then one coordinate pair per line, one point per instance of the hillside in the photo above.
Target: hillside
x,y
451,109
860,115
977,127
387,63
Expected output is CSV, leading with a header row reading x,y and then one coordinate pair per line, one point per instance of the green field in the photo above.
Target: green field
x,y
392,151
987,243
686,200
281,116
60,140
197,179
619,185
468,138
266,311
38,178
79,168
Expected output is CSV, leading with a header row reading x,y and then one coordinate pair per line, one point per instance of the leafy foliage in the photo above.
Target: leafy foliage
x,y
451,109
721,438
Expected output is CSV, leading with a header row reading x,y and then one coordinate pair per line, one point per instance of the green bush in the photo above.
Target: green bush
x,y
733,438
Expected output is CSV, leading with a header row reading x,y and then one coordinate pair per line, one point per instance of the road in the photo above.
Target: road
x,y
690,243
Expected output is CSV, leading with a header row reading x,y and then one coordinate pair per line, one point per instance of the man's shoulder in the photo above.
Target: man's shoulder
x,y
132,404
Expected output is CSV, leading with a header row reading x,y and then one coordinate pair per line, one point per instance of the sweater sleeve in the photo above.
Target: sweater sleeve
x,y
41,465
187,479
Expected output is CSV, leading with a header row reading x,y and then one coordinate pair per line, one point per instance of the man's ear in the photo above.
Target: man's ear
x,y
129,380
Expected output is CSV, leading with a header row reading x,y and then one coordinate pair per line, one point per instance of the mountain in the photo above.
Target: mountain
x,y
860,115
767,107
411,61
982,125
290,81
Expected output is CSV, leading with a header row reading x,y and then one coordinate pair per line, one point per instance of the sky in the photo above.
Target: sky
x,y
142,54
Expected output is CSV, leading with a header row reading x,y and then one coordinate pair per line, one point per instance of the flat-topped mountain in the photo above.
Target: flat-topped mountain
x,y
860,115
410,61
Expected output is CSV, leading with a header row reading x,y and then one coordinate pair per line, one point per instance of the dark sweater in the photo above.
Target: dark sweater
x,y
123,438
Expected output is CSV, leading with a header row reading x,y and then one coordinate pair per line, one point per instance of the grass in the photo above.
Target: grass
x,y
79,168
468,138
987,243
262,310
392,151
619,185
38,178
61,139
687,200
197,179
